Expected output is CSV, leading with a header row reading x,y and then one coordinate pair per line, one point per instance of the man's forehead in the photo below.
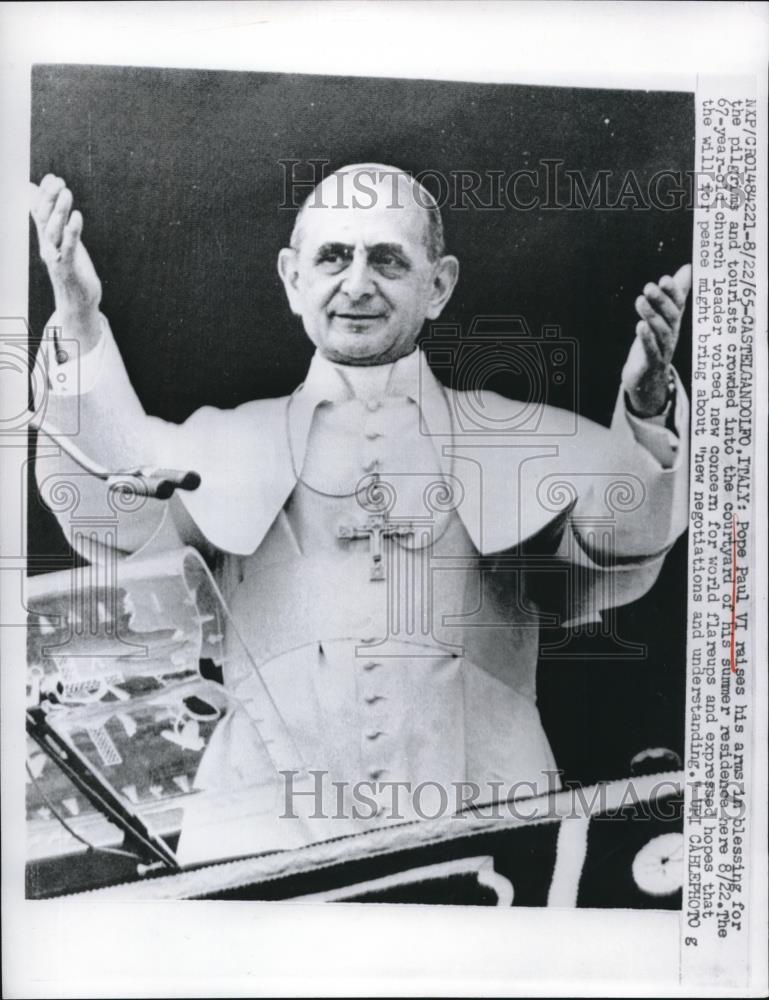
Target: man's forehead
x,y
371,223
375,206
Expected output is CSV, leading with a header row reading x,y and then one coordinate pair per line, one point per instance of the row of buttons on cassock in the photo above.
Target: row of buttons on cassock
x,y
373,736
372,433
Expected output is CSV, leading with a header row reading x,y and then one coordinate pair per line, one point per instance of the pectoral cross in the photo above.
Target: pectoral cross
x,y
376,527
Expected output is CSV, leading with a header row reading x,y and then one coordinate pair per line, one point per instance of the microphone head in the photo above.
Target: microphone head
x,y
157,484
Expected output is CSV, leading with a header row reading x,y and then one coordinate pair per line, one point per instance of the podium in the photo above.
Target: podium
x,y
130,793
133,791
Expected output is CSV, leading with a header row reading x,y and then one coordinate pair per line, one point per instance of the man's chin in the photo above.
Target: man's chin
x,y
359,349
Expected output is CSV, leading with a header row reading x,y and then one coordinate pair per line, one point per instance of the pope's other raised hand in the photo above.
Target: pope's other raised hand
x,y
646,374
76,286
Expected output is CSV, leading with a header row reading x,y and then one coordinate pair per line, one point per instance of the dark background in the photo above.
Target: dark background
x,y
177,174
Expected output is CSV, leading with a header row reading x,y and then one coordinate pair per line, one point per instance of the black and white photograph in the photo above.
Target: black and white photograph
x,y
433,470
382,541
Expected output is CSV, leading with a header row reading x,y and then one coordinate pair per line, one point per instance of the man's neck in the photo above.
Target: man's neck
x,y
367,381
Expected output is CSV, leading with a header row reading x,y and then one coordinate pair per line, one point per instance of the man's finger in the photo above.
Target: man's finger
x,y
50,186
51,182
669,286
647,312
683,278
54,229
34,207
649,342
659,326
662,302
48,192
71,235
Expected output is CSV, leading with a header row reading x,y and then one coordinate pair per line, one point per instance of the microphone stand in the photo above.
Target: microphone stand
x,y
158,484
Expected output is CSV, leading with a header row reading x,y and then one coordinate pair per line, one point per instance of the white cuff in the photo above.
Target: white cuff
x,y
656,438
71,373
654,433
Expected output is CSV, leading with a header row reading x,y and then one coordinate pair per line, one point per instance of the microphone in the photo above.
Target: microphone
x,y
155,483
160,484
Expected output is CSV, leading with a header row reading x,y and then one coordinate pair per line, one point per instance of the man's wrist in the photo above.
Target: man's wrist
x,y
81,324
647,402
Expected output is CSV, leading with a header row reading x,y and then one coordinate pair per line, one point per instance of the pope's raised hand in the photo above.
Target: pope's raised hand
x,y
76,286
646,374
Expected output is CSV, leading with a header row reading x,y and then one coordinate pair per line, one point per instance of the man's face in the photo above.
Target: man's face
x,y
361,279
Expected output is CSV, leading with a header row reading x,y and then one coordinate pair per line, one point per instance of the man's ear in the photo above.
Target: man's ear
x,y
444,280
288,269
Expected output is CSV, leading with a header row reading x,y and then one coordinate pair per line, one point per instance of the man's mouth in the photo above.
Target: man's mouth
x,y
357,316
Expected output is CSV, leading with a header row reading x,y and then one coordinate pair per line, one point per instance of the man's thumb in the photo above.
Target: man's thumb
x,y
683,278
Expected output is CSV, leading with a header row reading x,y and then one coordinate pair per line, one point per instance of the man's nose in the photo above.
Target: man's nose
x,y
358,280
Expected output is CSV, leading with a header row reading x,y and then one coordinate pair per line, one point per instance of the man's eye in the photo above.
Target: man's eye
x,y
334,258
388,261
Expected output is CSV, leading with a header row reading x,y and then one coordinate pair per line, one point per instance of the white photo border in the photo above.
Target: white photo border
x,y
77,948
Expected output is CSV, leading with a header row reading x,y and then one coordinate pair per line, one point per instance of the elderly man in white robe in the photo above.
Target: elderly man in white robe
x,y
368,541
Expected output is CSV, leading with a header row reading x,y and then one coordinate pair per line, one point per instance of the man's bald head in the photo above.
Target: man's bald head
x,y
363,185
366,266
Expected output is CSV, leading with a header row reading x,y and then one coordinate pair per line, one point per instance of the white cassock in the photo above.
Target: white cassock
x,y
407,653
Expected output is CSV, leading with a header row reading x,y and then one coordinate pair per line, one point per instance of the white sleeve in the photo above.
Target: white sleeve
x,y
69,372
89,402
661,435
